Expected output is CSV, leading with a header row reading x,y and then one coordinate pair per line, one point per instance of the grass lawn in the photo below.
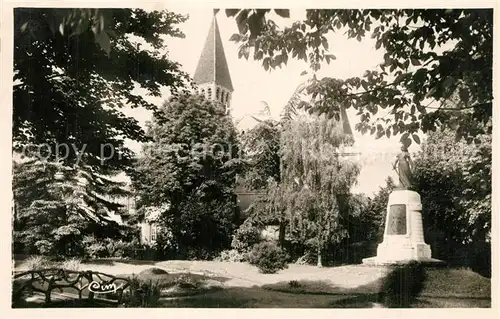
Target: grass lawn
x,y
451,302
442,288
322,288
254,297
449,282
166,279
454,288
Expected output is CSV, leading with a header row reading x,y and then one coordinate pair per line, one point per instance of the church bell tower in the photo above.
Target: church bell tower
x,y
212,73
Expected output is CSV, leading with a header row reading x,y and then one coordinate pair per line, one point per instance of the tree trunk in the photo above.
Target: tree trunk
x,y
320,263
281,235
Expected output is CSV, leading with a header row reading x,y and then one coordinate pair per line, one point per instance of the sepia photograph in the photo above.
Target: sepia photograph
x,y
192,156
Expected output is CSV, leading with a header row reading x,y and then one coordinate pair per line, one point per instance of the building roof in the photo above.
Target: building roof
x,y
345,122
212,66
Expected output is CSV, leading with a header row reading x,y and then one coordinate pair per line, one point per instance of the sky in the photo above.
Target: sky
x,y
253,85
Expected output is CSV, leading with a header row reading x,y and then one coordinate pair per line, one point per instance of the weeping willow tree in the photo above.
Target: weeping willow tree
x,y
316,181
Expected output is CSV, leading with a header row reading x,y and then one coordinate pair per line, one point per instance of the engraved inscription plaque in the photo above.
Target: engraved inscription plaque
x,y
397,220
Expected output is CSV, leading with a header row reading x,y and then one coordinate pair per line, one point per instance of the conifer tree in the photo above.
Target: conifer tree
x,y
56,206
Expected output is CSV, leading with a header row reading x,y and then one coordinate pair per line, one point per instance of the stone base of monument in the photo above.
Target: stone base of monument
x,y
374,261
403,235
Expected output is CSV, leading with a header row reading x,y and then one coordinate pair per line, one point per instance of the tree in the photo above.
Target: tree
x,y
454,180
85,87
413,76
191,165
55,208
377,208
362,224
262,158
261,143
316,182
295,104
74,71
75,22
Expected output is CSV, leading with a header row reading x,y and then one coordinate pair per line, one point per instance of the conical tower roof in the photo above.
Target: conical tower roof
x,y
212,66
345,122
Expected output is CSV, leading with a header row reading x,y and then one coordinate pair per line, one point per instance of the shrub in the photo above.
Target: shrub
x,y
141,293
305,259
268,257
97,250
231,255
111,247
45,247
72,264
166,245
187,281
38,262
403,284
117,248
200,253
294,284
94,248
132,247
246,236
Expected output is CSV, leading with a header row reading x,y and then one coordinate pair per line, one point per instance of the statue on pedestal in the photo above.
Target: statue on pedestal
x,y
404,168
404,232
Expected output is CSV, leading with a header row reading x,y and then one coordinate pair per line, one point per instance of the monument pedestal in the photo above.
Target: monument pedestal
x,y
404,234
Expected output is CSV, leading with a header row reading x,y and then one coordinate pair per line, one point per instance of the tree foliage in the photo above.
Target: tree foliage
x,y
74,72
315,182
454,180
55,207
246,236
261,146
377,208
310,199
363,223
429,56
191,165
84,86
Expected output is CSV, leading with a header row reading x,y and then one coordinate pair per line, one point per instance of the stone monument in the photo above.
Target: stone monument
x,y
403,234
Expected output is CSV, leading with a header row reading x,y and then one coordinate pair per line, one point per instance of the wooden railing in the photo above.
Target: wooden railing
x,y
85,283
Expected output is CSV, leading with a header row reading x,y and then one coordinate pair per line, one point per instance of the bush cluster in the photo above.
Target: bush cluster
x,y
72,264
38,262
243,240
231,255
141,294
246,236
186,281
268,257
109,247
